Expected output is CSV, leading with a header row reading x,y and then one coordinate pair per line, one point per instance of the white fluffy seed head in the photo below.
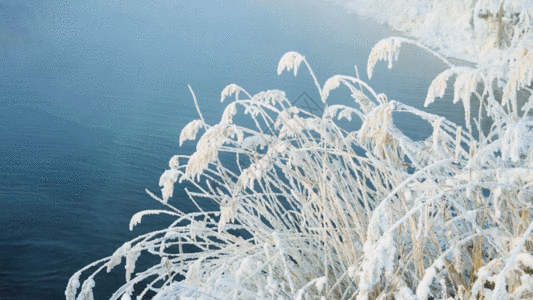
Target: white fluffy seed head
x,y
331,84
465,85
229,112
86,292
520,77
230,90
116,259
268,98
174,163
386,49
290,60
131,259
227,214
190,130
208,146
438,86
167,180
73,285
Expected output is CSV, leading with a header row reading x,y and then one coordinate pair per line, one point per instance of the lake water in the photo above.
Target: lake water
x,y
93,97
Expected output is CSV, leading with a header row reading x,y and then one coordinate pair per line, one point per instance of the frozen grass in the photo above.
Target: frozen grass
x,y
309,210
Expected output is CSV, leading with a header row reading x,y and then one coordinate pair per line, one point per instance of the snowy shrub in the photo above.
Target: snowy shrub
x,y
310,210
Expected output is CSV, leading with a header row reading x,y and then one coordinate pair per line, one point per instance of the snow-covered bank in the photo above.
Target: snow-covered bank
x,y
311,210
471,29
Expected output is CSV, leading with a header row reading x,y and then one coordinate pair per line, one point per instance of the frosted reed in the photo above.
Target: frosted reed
x,y
310,210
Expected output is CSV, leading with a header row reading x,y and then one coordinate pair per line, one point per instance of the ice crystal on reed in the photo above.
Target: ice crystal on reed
x,y
310,210
86,292
167,181
73,285
229,112
438,85
290,61
190,131
119,253
230,90
331,84
387,49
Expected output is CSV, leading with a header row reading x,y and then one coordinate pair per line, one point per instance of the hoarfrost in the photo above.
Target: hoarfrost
x,y
311,210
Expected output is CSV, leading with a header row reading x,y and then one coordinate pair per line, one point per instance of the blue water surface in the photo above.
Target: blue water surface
x,y
93,95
